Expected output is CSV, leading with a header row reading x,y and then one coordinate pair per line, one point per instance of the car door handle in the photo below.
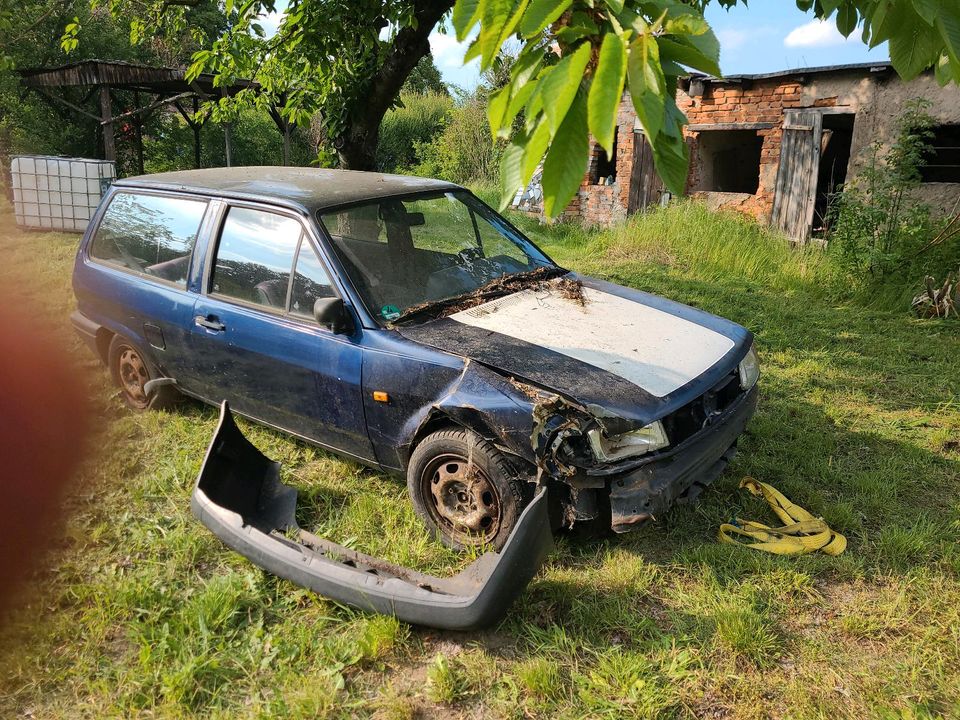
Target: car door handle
x,y
210,322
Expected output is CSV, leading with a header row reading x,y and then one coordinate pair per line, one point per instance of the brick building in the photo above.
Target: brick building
x,y
776,145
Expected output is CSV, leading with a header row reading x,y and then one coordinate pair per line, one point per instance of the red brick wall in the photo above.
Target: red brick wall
x,y
763,102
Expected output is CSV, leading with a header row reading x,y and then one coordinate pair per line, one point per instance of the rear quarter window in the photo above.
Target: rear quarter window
x,y
151,235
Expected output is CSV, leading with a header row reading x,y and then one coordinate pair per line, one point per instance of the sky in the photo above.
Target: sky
x,y
768,36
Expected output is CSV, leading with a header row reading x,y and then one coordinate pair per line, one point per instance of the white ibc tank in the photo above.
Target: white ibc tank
x,y
58,193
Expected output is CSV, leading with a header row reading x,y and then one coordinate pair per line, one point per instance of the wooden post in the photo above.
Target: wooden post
x,y
106,116
195,126
227,142
138,121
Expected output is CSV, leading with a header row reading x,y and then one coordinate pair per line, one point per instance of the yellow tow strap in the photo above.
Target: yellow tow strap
x,y
801,533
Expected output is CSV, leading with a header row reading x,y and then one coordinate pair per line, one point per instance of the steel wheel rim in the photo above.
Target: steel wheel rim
x,y
461,499
133,375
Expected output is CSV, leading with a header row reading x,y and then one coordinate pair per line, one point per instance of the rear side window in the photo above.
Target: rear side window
x,y
255,256
149,234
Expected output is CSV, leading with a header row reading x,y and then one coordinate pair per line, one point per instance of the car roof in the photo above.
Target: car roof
x,y
309,188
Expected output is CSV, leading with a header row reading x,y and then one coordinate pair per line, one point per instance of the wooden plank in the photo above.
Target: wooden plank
x,y
701,127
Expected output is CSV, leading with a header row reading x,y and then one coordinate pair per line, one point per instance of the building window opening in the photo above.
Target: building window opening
x,y
942,160
605,168
730,161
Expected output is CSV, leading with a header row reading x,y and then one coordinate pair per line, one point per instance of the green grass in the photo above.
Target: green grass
x,y
141,612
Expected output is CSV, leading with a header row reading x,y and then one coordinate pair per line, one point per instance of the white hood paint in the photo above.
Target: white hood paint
x,y
651,348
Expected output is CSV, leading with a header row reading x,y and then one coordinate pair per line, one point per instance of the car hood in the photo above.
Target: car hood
x,y
620,353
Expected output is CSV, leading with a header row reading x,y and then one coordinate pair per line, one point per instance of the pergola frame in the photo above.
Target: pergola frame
x,y
166,86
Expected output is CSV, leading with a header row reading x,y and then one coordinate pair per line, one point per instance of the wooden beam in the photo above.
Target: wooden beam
x,y
106,120
148,108
701,127
76,108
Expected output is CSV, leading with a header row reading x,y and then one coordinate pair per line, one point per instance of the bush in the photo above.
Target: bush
x,y
464,152
880,235
415,123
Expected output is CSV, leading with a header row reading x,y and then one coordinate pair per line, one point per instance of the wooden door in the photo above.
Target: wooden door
x,y
646,187
796,190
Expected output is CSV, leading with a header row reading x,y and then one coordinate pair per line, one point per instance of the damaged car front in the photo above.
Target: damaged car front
x,y
636,402
622,401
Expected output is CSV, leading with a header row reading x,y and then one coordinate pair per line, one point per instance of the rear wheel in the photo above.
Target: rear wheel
x,y
131,371
464,489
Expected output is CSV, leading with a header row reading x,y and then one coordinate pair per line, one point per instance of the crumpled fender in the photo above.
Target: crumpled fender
x,y
240,498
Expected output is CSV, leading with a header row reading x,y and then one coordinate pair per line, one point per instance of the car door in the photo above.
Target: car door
x,y
254,340
137,265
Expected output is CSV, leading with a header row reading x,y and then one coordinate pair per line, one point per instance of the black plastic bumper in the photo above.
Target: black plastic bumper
x,y
240,498
652,487
87,330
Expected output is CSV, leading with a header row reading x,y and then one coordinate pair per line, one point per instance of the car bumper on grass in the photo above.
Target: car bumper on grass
x,y
652,486
240,498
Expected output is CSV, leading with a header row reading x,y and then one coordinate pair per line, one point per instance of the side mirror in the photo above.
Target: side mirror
x,y
331,312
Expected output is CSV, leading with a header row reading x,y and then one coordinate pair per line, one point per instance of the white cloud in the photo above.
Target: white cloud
x,y
447,51
270,22
816,33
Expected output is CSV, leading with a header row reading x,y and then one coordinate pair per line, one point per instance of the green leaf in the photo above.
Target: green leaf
x,y
847,19
465,16
559,88
914,45
566,161
606,89
927,9
672,161
647,84
540,14
536,146
510,173
805,5
496,107
686,25
494,21
948,25
677,50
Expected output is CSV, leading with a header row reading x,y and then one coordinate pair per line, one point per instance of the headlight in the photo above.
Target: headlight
x,y
639,442
749,369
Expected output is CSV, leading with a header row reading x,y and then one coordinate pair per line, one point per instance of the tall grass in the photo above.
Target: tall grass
x,y
686,237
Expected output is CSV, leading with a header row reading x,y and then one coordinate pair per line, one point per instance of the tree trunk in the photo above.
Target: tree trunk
x,y
357,145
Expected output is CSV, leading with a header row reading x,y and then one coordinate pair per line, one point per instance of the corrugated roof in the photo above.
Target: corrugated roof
x,y
310,188
870,67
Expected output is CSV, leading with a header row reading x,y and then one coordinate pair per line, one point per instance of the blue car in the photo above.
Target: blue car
x,y
402,323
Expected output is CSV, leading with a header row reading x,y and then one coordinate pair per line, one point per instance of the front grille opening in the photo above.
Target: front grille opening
x,y
691,418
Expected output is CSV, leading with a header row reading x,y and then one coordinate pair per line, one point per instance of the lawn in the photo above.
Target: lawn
x,y
139,610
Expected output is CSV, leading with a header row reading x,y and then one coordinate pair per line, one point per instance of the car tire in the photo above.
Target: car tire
x,y
464,489
131,370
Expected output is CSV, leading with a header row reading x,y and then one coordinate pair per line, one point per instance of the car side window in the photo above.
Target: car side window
x,y
255,257
149,234
310,282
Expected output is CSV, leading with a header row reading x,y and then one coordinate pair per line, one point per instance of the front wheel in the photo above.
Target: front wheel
x,y
464,489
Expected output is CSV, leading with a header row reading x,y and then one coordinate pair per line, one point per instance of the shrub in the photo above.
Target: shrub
x,y
416,122
881,235
464,152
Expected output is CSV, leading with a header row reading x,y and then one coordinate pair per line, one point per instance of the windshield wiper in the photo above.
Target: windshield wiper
x,y
499,286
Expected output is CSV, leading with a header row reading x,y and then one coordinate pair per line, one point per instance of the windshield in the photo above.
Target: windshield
x,y
403,252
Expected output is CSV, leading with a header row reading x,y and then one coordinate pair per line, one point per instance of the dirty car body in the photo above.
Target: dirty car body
x,y
366,313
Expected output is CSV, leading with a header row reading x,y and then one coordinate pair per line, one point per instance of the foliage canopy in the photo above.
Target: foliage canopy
x,y
347,60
